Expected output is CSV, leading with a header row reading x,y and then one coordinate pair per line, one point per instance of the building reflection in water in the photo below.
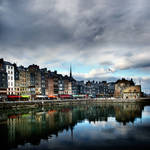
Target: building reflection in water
x,y
34,125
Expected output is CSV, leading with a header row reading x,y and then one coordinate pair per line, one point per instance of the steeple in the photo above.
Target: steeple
x,y
70,71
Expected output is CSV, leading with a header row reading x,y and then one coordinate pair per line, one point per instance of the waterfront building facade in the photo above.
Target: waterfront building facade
x,y
16,77
81,88
53,81
44,81
111,88
120,85
22,84
132,92
34,82
61,85
3,80
10,70
67,85
3,84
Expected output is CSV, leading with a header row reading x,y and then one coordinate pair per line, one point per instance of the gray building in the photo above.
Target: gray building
x,y
92,88
81,88
3,84
44,80
35,80
111,89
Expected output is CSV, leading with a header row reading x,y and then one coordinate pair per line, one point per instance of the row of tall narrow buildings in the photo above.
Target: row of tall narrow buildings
x,y
35,82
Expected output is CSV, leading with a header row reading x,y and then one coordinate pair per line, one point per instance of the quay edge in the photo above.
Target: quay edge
x,y
40,103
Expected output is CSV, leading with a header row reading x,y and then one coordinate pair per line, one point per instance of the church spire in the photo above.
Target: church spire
x,y
70,71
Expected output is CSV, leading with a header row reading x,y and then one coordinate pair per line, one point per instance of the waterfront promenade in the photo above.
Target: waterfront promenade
x,y
40,103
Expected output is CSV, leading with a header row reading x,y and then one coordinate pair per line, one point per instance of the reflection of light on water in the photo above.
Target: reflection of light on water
x,y
146,112
63,128
146,115
86,121
110,123
83,123
111,119
145,118
99,123
104,130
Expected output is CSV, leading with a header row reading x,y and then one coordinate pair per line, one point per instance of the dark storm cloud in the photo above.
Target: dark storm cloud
x,y
114,32
27,29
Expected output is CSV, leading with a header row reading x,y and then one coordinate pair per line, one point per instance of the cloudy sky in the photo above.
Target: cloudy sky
x,y
101,39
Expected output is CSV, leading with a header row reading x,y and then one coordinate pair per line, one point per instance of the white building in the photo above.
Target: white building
x,y
11,78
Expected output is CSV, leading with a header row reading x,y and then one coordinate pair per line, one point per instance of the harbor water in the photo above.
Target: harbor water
x,y
93,126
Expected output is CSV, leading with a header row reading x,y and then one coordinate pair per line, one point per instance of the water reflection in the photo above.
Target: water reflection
x,y
77,127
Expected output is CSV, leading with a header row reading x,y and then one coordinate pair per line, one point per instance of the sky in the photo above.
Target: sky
x,y
100,39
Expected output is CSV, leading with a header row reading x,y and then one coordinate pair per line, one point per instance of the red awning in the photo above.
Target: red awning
x,y
14,96
64,96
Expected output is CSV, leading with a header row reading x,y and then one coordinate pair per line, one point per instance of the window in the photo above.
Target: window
x,y
11,78
11,67
8,72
